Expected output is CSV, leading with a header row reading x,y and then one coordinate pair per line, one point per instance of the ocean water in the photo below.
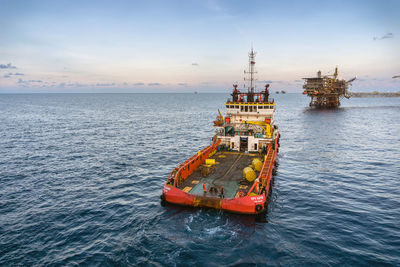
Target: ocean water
x,y
81,176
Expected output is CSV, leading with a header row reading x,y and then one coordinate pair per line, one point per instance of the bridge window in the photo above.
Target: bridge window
x,y
236,106
251,108
246,108
260,107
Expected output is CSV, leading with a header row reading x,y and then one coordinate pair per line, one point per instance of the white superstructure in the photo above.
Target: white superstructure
x,y
249,121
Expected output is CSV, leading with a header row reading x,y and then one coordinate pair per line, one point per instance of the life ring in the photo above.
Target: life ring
x,y
258,207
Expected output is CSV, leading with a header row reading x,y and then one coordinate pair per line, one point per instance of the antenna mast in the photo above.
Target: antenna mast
x,y
251,71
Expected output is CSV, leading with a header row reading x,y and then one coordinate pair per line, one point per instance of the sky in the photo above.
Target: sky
x,y
187,46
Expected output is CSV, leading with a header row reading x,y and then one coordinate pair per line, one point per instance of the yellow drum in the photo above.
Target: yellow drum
x,y
257,164
249,174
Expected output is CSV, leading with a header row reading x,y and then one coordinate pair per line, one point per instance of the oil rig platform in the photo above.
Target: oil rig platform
x,y
326,91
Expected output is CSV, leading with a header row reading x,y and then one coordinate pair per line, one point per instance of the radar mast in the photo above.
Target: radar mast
x,y
250,75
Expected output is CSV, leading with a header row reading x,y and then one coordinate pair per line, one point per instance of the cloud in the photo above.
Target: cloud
x,y
389,35
70,84
298,81
7,66
183,84
270,81
138,84
21,81
195,64
206,83
153,84
105,84
76,84
17,74
6,76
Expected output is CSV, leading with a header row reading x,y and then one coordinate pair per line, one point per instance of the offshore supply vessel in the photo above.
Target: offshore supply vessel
x,y
234,173
325,91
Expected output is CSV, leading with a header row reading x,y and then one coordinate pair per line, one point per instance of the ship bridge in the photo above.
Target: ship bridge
x,y
253,108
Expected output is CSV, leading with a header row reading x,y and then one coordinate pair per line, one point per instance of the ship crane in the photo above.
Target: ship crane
x,y
263,125
220,119
351,80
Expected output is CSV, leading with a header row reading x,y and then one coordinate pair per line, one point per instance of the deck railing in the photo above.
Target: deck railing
x,y
264,178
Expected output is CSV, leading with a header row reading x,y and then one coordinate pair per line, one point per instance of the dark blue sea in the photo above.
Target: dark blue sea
x,y
81,176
